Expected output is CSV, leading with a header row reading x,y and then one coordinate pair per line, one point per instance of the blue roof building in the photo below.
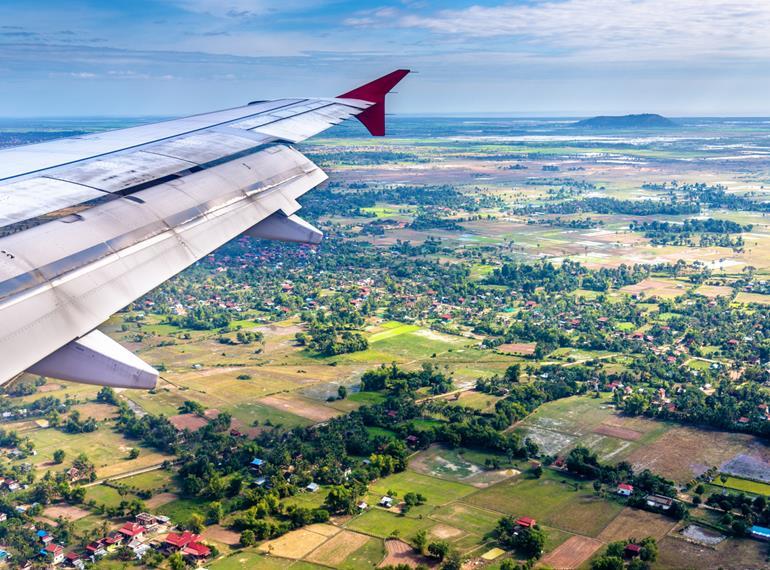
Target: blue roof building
x,y
257,462
760,532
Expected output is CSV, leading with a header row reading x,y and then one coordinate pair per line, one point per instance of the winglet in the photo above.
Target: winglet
x,y
373,118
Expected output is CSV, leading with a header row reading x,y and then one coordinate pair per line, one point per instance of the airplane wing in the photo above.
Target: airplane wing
x,y
91,223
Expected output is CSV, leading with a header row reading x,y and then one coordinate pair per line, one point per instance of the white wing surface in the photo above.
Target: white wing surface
x,y
92,223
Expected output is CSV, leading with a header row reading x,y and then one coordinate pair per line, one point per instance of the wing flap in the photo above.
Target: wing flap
x,y
97,359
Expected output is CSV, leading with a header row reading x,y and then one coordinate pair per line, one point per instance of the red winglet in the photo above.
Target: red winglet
x,y
373,118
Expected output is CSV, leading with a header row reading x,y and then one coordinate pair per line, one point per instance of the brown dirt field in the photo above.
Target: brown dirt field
x,y
335,550
217,533
518,348
714,291
99,412
188,421
299,406
68,512
443,531
684,452
295,544
49,388
732,554
657,287
399,552
635,523
619,432
572,553
160,499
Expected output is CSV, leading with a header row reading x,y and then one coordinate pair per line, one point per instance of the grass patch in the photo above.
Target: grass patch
x,y
744,485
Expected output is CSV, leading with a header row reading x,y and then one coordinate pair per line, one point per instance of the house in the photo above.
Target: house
x,y
362,506
659,502
54,553
140,550
96,549
625,489
256,464
3,517
44,537
175,542
4,555
149,521
632,550
760,532
113,541
526,522
386,502
196,551
132,531
312,487
412,440
71,557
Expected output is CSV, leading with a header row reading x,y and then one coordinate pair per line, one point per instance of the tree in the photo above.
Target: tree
x,y
58,456
342,393
248,538
196,524
176,562
438,549
420,540
607,563
452,561
134,453
537,471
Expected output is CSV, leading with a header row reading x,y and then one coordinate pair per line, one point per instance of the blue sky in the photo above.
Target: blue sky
x,y
560,57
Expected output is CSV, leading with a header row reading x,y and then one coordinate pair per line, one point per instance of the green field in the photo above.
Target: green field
x,y
381,523
744,485
555,499
181,510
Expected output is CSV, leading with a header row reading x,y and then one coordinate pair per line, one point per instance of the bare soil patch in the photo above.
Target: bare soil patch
x,y
217,533
188,421
49,388
443,531
572,553
99,412
160,499
656,287
731,554
619,432
295,544
635,523
335,550
684,452
69,512
399,552
524,348
299,406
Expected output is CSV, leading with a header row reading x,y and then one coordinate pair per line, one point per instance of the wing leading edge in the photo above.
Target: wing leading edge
x,y
149,202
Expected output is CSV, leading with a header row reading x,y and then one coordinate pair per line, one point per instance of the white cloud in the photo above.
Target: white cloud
x,y
615,29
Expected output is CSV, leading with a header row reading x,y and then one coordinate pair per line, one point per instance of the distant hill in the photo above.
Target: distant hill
x,y
645,120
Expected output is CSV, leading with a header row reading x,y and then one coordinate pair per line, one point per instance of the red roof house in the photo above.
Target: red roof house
x,y
132,530
526,522
632,550
196,550
180,541
625,489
